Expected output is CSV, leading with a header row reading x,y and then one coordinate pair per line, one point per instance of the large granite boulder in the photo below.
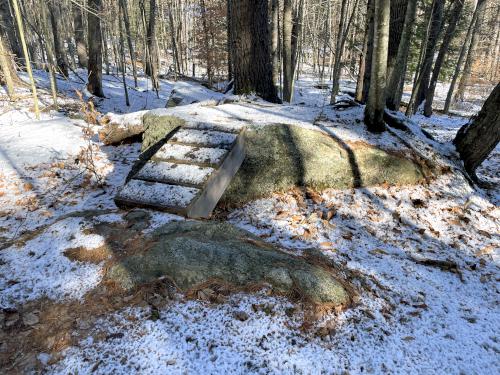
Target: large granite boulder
x,y
192,253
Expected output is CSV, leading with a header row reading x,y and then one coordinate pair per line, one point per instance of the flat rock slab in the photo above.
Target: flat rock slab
x,y
191,253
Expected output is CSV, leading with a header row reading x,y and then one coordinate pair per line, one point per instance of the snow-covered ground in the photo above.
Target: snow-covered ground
x,y
412,317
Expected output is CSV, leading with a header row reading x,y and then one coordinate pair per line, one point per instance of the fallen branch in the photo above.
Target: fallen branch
x,y
443,265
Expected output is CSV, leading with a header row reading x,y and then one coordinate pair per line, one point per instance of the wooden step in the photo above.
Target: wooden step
x,y
188,174
173,198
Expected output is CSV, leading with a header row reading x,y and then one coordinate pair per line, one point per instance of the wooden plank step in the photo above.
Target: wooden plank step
x,y
207,138
174,174
202,155
173,198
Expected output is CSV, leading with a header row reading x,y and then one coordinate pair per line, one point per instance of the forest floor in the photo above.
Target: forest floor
x,y
429,255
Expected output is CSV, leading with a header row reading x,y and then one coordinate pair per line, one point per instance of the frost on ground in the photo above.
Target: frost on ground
x,y
424,258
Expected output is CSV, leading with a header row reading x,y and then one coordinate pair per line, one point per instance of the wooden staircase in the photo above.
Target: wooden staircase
x,y
189,173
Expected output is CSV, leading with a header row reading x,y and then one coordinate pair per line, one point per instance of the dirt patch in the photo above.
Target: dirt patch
x,y
82,254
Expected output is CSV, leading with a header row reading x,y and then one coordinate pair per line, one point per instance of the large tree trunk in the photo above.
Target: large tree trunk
x,y
426,68
287,50
458,67
81,43
479,137
152,61
374,111
250,49
95,49
394,90
448,36
61,59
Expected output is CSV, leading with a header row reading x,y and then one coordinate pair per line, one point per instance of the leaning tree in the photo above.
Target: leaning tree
x,y
475,140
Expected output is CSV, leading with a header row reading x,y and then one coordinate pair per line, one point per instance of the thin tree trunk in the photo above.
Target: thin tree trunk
x,y
26,56
287,50
398,72
122,57
375,106
94,85
448,36
9,28
49,50
460,95
475,140
275,39
62,63
296,33
458,68
81,43
426,69
370,24
9,74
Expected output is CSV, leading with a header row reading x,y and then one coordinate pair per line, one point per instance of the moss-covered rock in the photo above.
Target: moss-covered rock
x,y
279,157
193,253
157,127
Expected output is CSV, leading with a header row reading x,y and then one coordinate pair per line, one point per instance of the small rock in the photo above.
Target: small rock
x,y
241,316
30,319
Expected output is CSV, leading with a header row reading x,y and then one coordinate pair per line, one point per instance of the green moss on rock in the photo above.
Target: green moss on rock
x,y
157,127
192,253
279,157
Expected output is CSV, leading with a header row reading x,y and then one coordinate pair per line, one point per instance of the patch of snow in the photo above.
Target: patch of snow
x,y
40,269
162,195
189,153
204,137
168,172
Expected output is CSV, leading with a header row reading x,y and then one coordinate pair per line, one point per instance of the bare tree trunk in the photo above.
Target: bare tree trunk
x,y
396,27
152,61
20,28
426,69
7,23
370,24
460,95
275,39
398,73
448,36
341,40
375,106
95,48
479,137
250,49
287,50
62,62
81,43
361,72
458,68
296,33
9,74
206,42
122,58
128,34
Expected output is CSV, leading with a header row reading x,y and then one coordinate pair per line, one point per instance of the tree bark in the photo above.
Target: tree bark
x,y
370,24
287,50
396,28
81,43
9,75
398,73
426,68
126,21
475,140
274,25
460,95
250,49
62,62
448,36
8,26
458,68
94,85
374,111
